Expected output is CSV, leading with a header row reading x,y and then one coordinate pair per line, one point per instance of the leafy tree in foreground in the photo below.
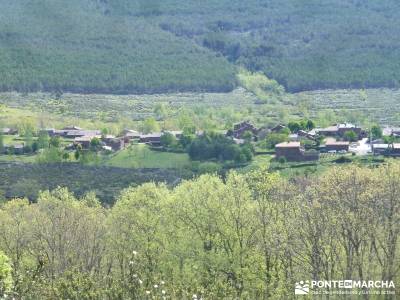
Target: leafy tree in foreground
x,y
243,236
5,275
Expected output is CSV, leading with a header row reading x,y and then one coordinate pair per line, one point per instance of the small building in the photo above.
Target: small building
x,y
278,128
293,151
85,141
19,148
71,127
9,131
340,130
238,141
289,150
337,146
176,133
129,135
107,148
308,135
114,143
82,133
56,132
391,131
262,133
153,139
395,149
328,131
294,137
240,128
346,127
48,131
392,150
380,149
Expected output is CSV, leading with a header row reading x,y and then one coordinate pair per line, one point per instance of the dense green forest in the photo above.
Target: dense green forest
x,y
148,46
246,236
75,46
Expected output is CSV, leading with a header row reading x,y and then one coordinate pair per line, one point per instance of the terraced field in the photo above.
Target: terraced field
x,y
113,107
325,106
372,105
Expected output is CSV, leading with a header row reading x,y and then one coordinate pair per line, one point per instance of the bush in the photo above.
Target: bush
x,y
218,146
342,160
27,149
275,138
282,160
209,167
168,140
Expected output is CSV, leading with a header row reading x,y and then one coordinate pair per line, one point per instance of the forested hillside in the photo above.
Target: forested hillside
x,y
147,46
77,46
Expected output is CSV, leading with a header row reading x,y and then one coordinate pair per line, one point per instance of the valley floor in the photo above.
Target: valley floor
x,y
215,111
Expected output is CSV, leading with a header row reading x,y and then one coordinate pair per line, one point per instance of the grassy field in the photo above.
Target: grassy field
x,y
140,156
18,158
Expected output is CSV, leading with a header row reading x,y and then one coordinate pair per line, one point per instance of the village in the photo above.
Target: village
x,y
294,143
77,137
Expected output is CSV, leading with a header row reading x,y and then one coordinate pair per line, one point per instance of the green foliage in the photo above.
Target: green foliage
x,y
350,136
168,140
44,140
209,168
152,46
26,180
1,143
298,43
140,156
50,155
282,160
95,144
306,125
55,141
216,238
265,89
294,126
75,285
5,275
91,47
376,132
217,146
150,125
89,157
275,138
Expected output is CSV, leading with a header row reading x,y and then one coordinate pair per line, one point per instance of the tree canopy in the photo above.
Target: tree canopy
x,y
246,236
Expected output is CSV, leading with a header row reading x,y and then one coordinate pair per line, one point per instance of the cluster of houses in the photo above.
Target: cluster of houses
x,y
292,150
334,143
16,148
378,146
108,142
84,138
